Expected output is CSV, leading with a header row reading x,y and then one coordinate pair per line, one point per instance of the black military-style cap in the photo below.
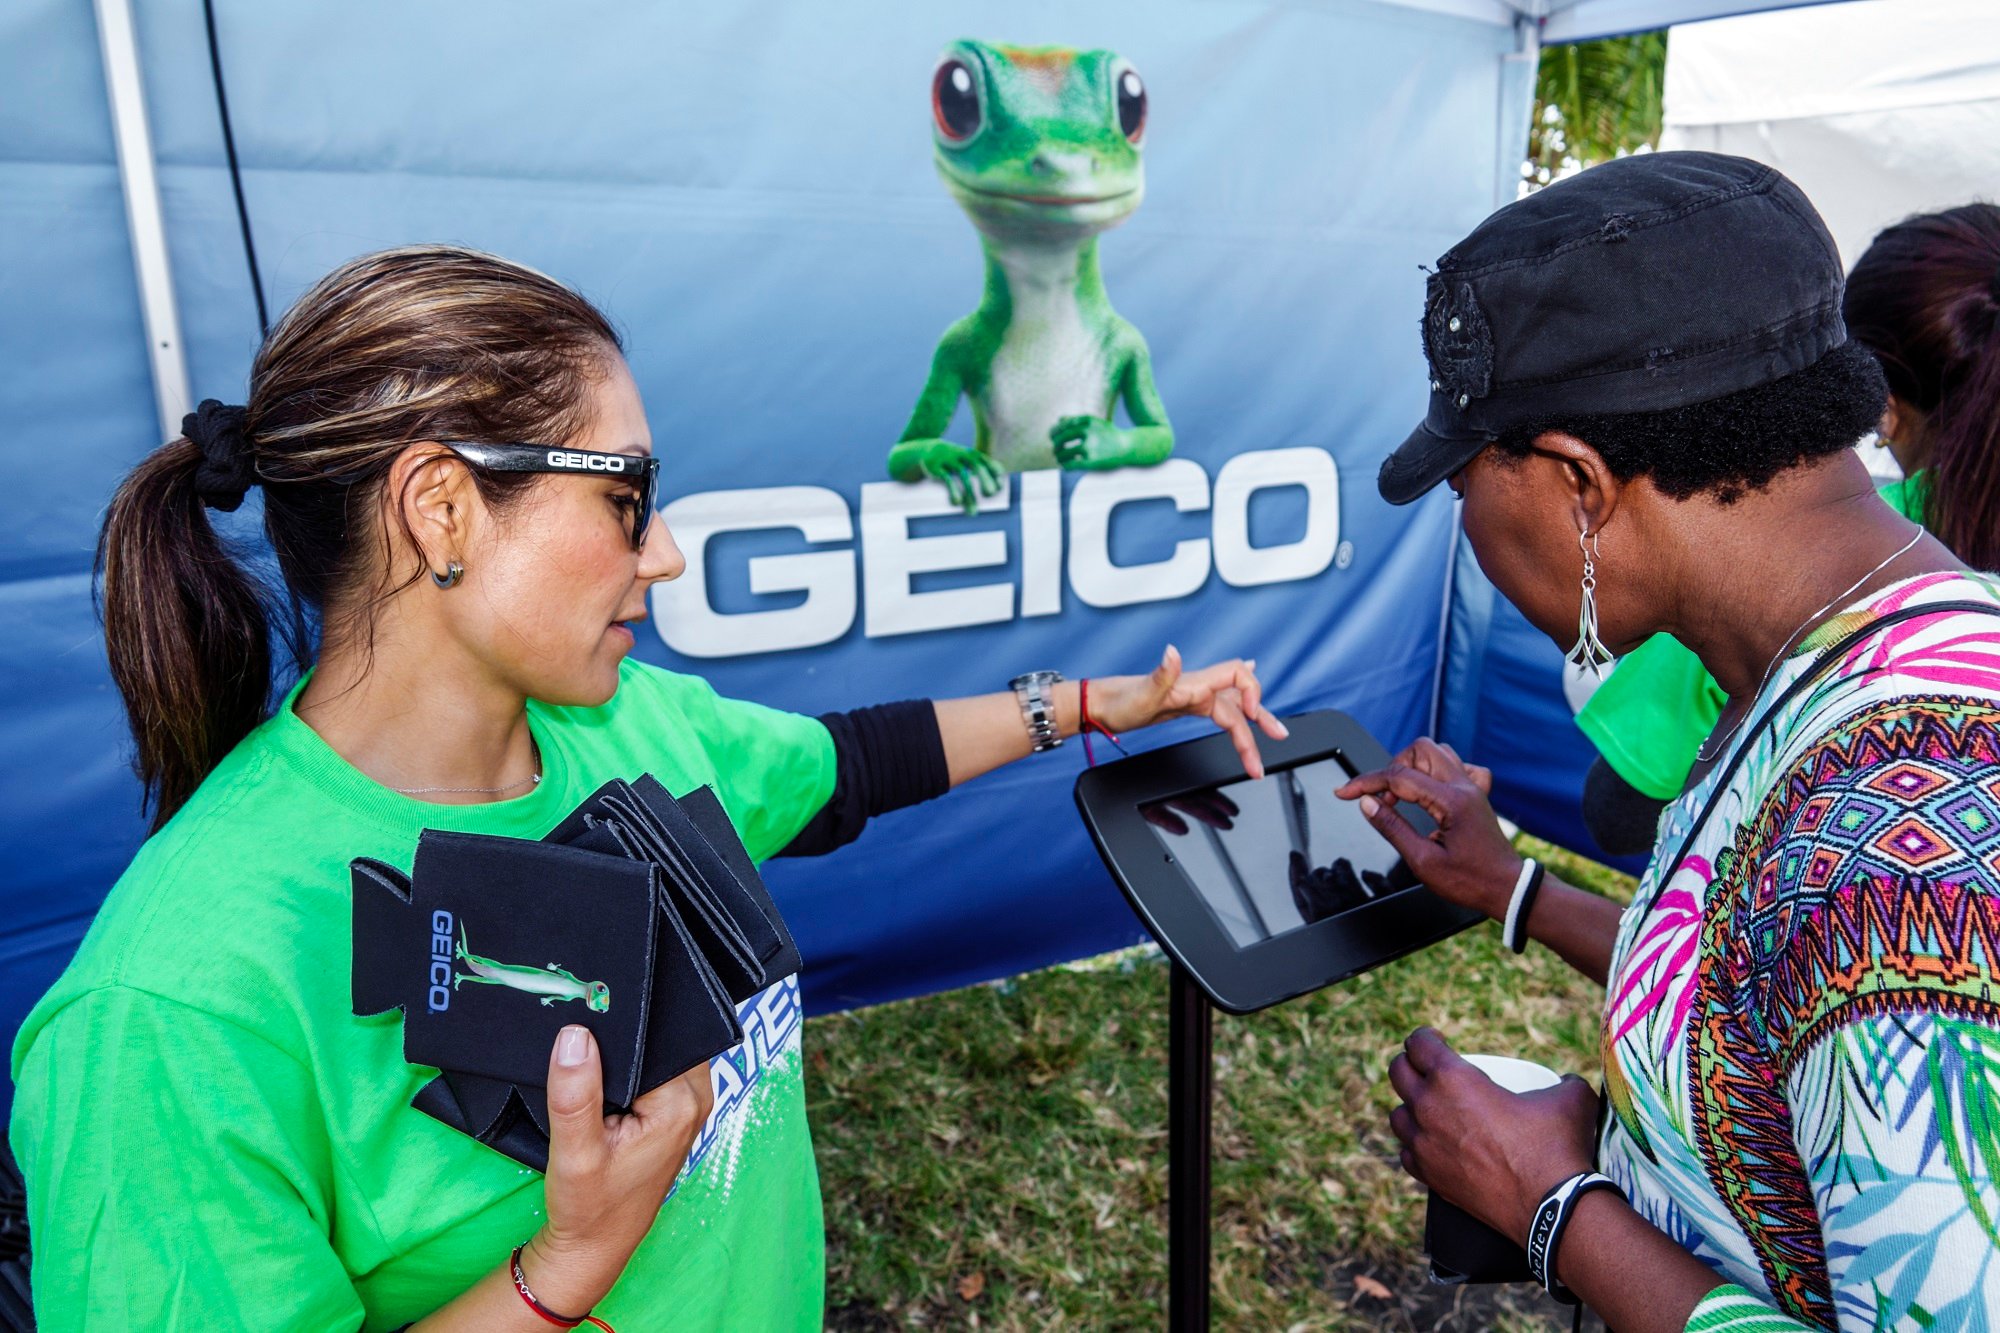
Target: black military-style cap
x,y
1650,282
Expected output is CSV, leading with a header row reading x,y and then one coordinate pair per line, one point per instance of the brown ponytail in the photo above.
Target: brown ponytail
x,y
421,343
188,638
1925,298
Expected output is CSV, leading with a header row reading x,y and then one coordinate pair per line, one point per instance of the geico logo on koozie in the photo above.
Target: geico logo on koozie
x,y
440,995
586,462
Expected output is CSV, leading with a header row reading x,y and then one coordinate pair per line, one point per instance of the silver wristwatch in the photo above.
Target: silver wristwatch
x,y
1036,692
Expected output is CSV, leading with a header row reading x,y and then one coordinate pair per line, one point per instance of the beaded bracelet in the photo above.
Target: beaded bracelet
x,y
559,1320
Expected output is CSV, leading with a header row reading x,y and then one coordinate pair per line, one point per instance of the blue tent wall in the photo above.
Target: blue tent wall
x,y
748,191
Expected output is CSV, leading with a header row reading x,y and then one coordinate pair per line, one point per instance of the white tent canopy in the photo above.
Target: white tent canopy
x,y
1877,109
1582,20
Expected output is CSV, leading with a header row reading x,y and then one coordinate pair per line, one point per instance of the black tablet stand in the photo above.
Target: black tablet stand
x,y
1210,971
1190,1088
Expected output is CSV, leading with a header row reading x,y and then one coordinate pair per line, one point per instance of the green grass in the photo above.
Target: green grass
x,y
996,1157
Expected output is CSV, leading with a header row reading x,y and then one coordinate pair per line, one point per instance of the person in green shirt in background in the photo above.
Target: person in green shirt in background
x,y
1914,300
211,1138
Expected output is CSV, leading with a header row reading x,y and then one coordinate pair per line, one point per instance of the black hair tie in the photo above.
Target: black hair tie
x,y
227,470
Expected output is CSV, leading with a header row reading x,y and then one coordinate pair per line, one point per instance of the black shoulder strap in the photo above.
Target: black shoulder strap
x,y
1824,663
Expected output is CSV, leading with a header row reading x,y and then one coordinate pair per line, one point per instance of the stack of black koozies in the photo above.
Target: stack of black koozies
x,y
640,916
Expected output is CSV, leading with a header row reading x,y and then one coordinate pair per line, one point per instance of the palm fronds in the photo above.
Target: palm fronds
x,y
1595,100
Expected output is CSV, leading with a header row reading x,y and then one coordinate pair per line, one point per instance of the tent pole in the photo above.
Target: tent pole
x,y
1517,103
125,89
1517,106
1434,721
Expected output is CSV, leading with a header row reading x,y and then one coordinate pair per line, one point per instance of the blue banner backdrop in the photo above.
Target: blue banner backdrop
x,y
749,191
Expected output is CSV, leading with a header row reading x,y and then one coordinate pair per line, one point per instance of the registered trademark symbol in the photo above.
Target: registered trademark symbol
x,y
1343,555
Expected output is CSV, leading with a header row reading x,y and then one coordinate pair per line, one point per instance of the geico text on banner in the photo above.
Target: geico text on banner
x,y
880,584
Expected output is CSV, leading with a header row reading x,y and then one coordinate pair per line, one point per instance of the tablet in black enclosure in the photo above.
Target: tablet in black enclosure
x,y
1268,889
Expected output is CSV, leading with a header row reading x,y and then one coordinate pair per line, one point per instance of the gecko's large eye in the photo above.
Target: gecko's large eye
x,y
1131,104
955,101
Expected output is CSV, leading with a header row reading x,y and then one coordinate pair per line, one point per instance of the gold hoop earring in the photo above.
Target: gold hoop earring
x,y
453,572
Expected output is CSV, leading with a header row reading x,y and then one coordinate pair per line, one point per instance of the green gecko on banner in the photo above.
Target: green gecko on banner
x,y
1041,147
551,983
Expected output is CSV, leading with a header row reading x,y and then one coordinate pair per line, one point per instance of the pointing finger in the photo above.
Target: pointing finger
x,y
1415,849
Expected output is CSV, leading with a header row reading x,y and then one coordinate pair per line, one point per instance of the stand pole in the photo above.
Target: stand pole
x,y
1190,1054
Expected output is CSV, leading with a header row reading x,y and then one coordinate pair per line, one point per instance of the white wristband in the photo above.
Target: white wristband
x,y
1510,932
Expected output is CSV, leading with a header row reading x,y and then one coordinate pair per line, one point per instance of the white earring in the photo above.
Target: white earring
x,y
1589,653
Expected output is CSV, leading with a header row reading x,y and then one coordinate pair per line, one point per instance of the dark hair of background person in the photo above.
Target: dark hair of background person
x,y
419,343
1925,299
1734,443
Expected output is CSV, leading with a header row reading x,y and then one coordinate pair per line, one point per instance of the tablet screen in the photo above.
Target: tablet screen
x,y
1271,855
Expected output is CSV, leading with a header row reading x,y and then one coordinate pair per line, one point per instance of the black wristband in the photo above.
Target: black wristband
x,y
1552,1217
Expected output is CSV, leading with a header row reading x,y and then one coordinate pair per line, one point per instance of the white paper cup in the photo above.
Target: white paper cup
x,y
1515,1075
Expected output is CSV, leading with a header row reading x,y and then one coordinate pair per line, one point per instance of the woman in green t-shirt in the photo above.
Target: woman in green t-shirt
x,y
211,1138
1917,300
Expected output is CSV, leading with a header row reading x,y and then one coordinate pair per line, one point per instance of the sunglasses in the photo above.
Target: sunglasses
x,y
642,471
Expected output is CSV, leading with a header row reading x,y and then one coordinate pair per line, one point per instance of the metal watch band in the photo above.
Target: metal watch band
x,y
1035,692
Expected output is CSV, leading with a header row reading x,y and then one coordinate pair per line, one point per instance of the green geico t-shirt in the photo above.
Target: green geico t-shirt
x,y
1652,713
213,1141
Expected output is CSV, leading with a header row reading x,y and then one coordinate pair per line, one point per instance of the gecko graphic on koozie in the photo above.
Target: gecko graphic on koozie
x,y
552,983
640,916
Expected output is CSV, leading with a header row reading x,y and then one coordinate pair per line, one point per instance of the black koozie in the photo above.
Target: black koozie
x,y
640,916
486,974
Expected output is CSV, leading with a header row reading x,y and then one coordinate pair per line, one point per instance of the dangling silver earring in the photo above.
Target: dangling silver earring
x,y
453,572
1589,654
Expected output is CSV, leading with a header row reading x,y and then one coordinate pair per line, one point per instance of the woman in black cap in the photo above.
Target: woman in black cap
x,y
1643,393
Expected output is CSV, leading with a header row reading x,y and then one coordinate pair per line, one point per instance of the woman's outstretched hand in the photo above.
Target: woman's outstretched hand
x,y
1492,1152
1227,694
1468,859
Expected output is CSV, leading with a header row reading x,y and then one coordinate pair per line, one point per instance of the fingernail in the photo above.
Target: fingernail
x,y
1284,732
573,1047
1251,663
1370,806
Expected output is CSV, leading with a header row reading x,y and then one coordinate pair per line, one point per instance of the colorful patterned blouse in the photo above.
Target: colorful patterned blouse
x,y
1802,1029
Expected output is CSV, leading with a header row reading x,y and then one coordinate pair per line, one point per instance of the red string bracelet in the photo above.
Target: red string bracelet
x,y
559,1320
1088,724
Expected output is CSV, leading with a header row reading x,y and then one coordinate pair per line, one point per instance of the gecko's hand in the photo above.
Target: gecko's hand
x,y
966,473
1086,443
